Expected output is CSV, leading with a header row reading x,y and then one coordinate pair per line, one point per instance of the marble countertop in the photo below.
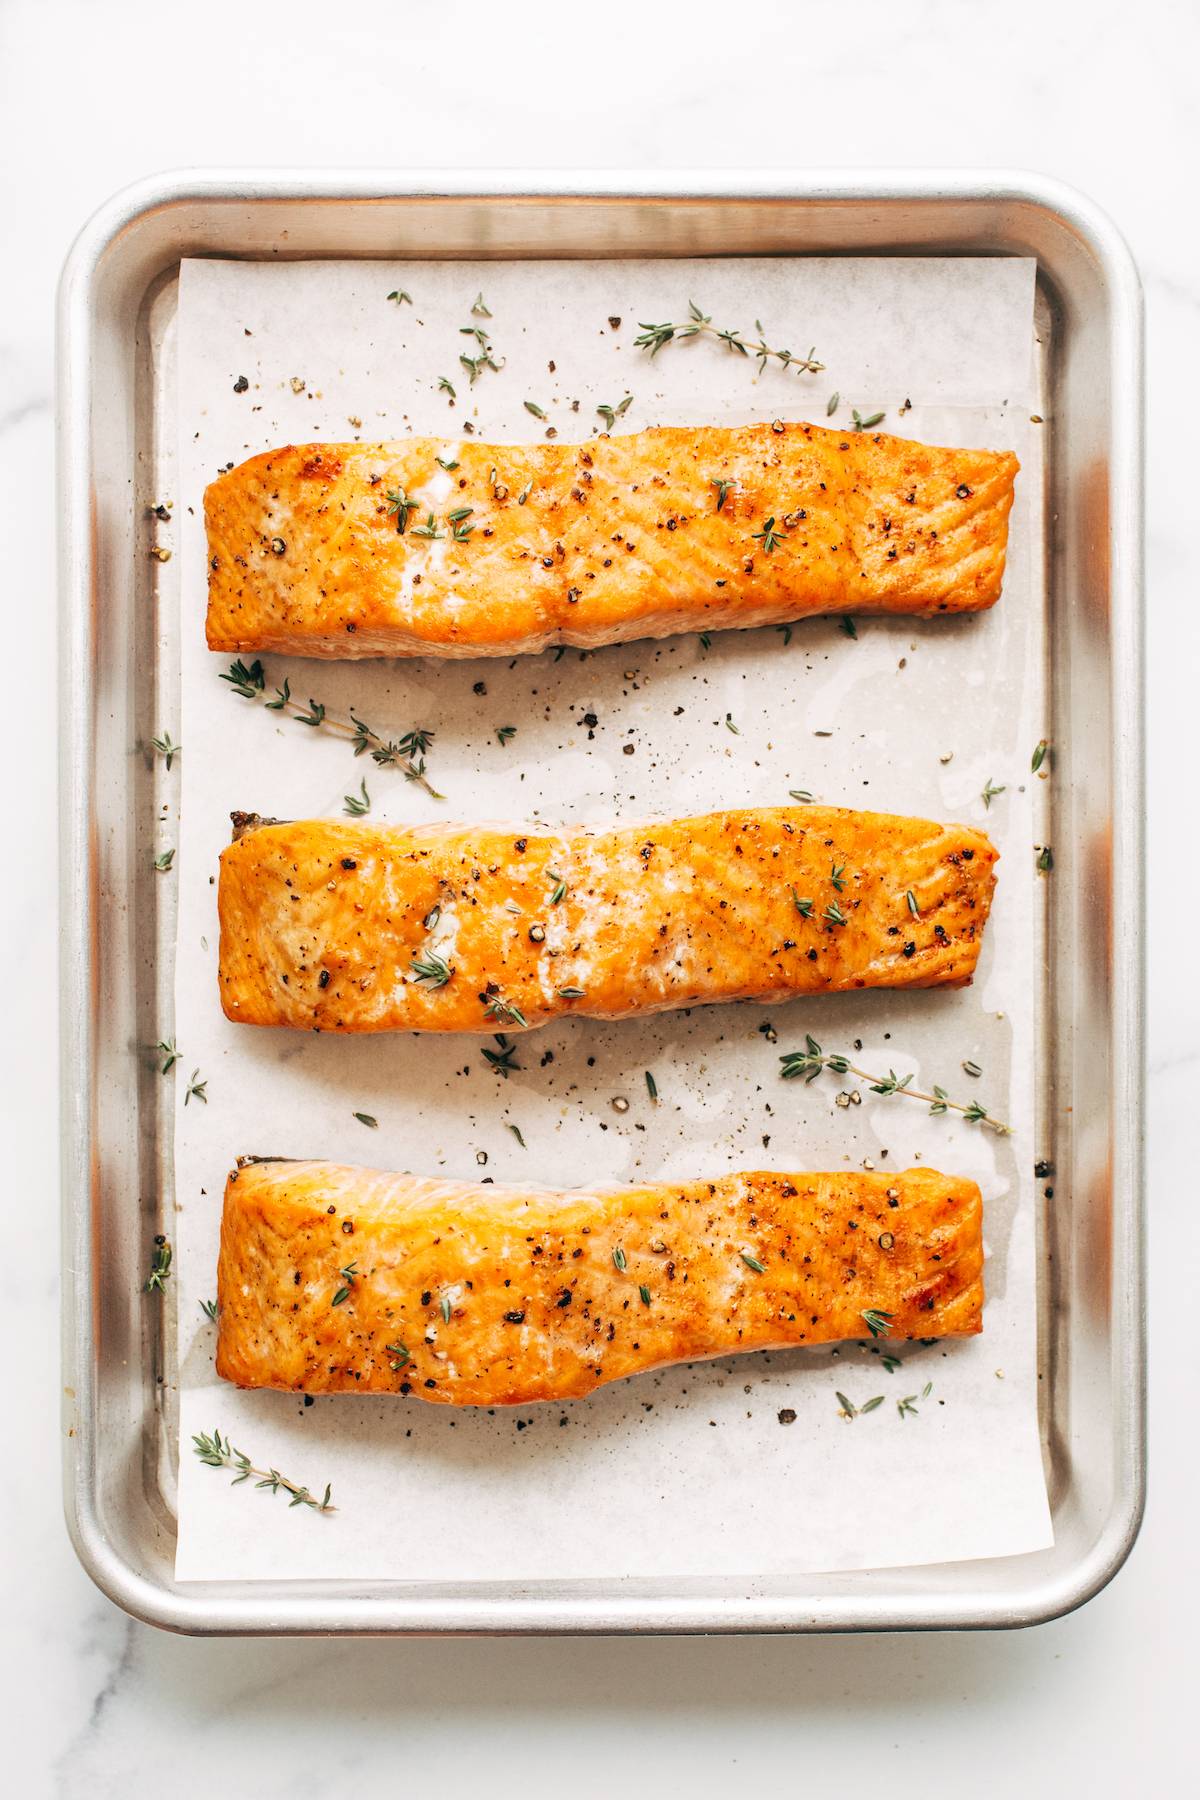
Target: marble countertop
x,y
93,96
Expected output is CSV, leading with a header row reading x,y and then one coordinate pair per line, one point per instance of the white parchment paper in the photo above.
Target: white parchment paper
x,y
700,1469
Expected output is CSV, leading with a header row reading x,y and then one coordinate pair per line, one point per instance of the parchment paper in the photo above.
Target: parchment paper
x,y
694,1470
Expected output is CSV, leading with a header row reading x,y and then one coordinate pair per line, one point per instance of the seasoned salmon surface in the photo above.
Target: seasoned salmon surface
x,y
448,547
345,926
343,1280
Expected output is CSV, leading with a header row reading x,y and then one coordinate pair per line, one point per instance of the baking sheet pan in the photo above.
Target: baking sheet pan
x,y
117,299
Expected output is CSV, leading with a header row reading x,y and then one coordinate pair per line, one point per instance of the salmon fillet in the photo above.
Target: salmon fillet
x,y
343,1280
345,926
448,547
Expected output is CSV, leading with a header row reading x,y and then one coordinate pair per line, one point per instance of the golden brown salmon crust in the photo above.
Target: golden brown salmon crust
x,y
523,545
344,926
342,1280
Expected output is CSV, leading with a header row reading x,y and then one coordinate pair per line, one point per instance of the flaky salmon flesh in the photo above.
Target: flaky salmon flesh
x,y
348,926
448,547
335,1279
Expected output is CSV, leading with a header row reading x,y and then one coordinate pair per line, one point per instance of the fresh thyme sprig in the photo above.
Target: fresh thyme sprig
x,y
170,1055
430,970
610,414
169,750
475,365
196,1089
906,1406
503,1059
699,324
769,538
160,1267
218,1453
399,503
505,1012
406,753
807,1064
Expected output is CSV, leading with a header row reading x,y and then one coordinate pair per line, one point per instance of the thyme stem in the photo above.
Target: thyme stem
x,y
699,324
808,1063
406,753
218,1453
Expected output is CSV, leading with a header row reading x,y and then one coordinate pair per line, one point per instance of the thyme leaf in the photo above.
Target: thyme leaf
x,y
357,805
610,414
160,1267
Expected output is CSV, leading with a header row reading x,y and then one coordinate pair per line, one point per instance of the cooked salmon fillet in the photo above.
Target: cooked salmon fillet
x,y
448,547
343,1280
345,926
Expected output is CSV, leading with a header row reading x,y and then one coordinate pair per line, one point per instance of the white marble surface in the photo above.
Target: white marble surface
x,y
94,95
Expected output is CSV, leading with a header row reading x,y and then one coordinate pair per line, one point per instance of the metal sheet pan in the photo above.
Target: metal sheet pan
x,y
119,652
